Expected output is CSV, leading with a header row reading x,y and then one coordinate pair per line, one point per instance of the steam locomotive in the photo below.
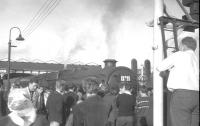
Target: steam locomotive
x,y
111,75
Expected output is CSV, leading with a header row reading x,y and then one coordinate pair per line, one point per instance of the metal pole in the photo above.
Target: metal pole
x,y
9,55
175,36
163,38
8,71
158,57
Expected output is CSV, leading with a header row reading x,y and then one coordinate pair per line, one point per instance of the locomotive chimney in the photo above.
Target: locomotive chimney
x,y
109,63
134,65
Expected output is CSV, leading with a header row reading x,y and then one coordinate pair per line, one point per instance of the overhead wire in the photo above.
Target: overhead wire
x,y
40,16
36,16
43,17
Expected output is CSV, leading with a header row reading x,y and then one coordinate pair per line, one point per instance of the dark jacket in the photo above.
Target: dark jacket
x,y
55,107
113,111
126,104
91,112
40,105
70,100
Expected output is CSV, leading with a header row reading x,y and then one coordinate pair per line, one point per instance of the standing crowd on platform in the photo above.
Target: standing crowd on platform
x,y
93,104
90,104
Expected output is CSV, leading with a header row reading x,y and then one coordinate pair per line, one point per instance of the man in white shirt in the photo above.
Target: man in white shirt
x,y
22,111
183,81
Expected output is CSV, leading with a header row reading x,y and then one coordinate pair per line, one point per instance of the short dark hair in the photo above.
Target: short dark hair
x,y
34,80
189,42
91,85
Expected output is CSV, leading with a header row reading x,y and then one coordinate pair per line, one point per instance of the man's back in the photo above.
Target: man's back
x,y
184,72
126,104
55,107
110,99
91,112
70,99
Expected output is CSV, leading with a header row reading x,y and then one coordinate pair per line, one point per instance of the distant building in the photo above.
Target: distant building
x,y
30,67
78,67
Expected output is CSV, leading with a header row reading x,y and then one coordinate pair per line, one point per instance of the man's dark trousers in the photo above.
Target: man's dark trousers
x,y
184,108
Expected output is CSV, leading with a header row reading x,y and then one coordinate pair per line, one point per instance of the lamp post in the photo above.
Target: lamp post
x,y
19,38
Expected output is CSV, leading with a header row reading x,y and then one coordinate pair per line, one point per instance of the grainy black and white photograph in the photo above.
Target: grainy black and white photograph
x,y
99,63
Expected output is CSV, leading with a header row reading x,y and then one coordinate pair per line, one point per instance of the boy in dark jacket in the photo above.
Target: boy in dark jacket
x,y
126,103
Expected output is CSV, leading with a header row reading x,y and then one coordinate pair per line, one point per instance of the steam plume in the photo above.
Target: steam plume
x,y
114,12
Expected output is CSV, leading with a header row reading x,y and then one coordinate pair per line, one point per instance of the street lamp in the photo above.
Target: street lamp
x,y
19,38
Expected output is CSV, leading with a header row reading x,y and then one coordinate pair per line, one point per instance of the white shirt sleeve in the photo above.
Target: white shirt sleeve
x,y
168,63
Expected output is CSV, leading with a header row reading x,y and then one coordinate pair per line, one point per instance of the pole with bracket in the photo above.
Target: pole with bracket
x,y
157,58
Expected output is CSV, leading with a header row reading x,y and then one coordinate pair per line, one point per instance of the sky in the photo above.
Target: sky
x,y
80,31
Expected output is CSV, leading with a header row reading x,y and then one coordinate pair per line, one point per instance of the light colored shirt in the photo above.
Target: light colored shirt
x,y
31,96
46,95
184,70
16,119
124,91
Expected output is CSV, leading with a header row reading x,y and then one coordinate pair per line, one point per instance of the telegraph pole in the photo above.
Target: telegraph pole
x,y
158,57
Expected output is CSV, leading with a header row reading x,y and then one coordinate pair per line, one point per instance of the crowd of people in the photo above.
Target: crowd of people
x,y
94,104
89,104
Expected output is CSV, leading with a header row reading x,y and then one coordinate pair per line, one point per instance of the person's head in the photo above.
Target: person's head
x,y
143,89
188,43
104,86
80,95
60,84
16,84
13,86
40,89
71,87
91,86
33,85
114,90
22,106
150,91
124,86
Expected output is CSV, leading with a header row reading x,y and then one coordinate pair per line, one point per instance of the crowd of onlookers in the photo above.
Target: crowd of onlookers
x,y
94,104
89,104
